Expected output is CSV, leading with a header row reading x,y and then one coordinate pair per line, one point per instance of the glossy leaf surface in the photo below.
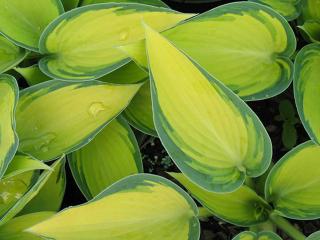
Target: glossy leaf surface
x,y
9,94
24,21
293,185
290,9
51,194
64,116
138,207
210,133
307,89
112,155
79,46
10,54
242,207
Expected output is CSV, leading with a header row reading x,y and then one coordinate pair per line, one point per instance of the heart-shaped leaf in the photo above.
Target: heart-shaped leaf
x,y
79,46
221,41
24,21
138,207
113,154
242,207
64,116
307,89
257,236
23,163
157,3
51,194
9,93
14,229
293,184
290,9
10,54
209,132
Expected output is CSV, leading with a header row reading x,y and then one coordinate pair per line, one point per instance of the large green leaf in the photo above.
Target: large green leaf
x,y
82,43
257,236
293,185
221,41
290,9
24,21
307,89
242,207
157,3
138,207
32,74
10,54
209,132
9,93
50,197
113,154
23,163
28,192
64,116
310,20
13,188
14,229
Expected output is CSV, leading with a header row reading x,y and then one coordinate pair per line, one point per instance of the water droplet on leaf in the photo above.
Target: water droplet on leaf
x,y
96,108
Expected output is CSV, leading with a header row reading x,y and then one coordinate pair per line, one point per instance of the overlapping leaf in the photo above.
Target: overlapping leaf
x,y
13,188
32,74
24,21
138,207
257,236
242,207
23,191
112,155
293,185
10,54
79,46
23,163
64,116
210,133
290,9
9,92
310,20
50,197
14,229
139,111
221,41
307,90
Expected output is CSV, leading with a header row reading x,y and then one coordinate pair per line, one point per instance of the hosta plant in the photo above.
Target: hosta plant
x,y
79,80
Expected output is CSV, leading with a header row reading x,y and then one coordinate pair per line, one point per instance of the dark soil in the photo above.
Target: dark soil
x,y
156,160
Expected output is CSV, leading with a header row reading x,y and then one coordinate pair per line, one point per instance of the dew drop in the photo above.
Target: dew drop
x,y
95,108
44,149
124,35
